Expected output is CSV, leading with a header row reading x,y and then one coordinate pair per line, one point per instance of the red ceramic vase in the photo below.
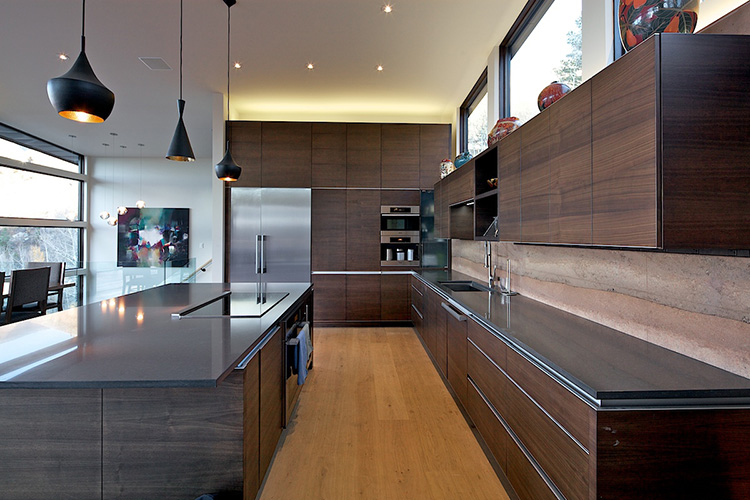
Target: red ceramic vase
x,y
550,94
639,19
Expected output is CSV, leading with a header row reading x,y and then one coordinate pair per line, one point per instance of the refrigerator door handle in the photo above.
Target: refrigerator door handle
x,y
263,253
257,254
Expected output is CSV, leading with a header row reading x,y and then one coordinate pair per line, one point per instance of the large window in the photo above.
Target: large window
x,y
41,199
544,46
473,127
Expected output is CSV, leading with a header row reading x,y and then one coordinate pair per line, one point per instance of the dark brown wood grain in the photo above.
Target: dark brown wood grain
x,y
251,428
488,379
328,155
271,399
492,346
459,186
51,443
509,187
399,156
363,297
286,154
434,147
328,242
190,439
400,197
706,177
330,297
395,304
456,355
362,230
245,144
535,179
675,454
525,480
363,155
570,167
489,427
624,149
442,213
462,222
561,404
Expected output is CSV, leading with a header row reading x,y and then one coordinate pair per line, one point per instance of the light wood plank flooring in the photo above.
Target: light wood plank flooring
x,y
375,421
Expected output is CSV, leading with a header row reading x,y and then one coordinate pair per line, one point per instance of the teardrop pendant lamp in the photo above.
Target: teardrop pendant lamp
x,y
78,94
227,170
179,148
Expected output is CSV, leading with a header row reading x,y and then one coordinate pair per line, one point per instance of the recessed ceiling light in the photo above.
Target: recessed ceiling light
x,y
237,65
62,56
387,8
310,66
379,67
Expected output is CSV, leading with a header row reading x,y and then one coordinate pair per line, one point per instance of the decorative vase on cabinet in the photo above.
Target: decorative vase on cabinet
x,y
640,19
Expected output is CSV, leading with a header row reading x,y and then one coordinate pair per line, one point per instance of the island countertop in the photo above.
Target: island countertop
x,y
602,365
134,340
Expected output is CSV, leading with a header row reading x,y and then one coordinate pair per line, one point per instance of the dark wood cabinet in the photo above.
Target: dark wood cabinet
x,y
363,297
434,147
251,428
245,144
362,230
509,187
455,333
456,218
570,183
485,195
329,229
328,155
417,299
624,128
395,300
286,154
535,179
399,156
330,297
363,155
271,399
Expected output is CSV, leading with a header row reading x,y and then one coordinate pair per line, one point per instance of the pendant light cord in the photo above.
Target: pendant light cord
x,y
180,49
229,27
83,27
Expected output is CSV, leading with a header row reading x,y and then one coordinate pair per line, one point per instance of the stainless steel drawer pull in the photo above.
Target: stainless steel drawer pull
x,y
452,312
417,311
415,289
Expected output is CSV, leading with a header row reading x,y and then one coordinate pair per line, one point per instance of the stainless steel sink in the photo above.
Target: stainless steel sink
x,y
464,286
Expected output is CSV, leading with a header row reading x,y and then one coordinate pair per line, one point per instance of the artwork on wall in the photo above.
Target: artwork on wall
x,y
153,237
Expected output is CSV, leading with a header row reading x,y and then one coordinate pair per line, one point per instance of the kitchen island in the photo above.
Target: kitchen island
x,y
147,395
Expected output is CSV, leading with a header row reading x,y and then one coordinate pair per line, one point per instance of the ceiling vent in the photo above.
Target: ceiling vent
x,y
155,63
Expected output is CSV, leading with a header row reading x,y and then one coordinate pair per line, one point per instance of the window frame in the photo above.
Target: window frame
x,y
475,95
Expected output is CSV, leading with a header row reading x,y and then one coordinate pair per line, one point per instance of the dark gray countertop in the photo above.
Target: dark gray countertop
x,y
602,365
133,341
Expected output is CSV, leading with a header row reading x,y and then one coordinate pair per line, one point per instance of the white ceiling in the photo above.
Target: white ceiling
x,y
432,51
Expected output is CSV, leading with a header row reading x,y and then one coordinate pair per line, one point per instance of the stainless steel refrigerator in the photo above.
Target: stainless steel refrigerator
x,y
269,235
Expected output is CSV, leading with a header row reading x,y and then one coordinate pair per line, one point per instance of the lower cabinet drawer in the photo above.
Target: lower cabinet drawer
x,y
524,478
492,430
487,377
417,317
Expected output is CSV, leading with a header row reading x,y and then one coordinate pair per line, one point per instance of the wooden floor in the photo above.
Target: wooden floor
x,y
375,421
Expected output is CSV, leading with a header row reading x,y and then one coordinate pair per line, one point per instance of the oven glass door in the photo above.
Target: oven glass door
x,y
399,223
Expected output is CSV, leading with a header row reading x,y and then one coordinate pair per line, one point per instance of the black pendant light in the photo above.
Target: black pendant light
x,y
78,94
227,170
179,148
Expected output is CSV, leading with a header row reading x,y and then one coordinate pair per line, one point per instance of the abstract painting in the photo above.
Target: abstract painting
x,y
153,237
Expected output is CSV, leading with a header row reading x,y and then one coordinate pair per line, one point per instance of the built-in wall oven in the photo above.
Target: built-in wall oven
x,y
399,235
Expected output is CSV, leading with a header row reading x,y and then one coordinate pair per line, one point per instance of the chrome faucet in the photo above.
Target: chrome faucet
x,y
488,263
506,290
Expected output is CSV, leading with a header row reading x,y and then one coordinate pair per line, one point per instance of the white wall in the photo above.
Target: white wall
x,y
115,181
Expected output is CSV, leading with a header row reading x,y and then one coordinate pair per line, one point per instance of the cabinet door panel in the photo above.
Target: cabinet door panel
x,y
434,146
456,355
524,478
491,381
330,297
488,425
245,140
509,187
625,187
251,428
286,154
535,177
329,155
362,230
328,230
271,405
400,156
363,297
363,155
394,297
570,168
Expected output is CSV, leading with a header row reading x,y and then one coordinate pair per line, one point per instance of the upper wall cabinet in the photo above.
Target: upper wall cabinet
x,y
400,156
363,155
434,147
328,155
286,154
245,138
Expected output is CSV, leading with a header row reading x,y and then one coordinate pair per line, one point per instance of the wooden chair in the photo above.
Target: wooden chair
x,y
56,279
28,287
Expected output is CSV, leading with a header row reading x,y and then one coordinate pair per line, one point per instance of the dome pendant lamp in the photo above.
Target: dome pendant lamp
x,y
78,94
227,170
179,148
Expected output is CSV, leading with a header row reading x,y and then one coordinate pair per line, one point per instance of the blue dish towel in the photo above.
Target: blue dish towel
x,y
303,336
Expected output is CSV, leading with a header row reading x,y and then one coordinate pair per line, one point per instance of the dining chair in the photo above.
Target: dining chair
x,y
56,279
28,287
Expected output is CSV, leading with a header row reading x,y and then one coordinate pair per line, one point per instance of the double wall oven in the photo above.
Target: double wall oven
x,y
399,235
